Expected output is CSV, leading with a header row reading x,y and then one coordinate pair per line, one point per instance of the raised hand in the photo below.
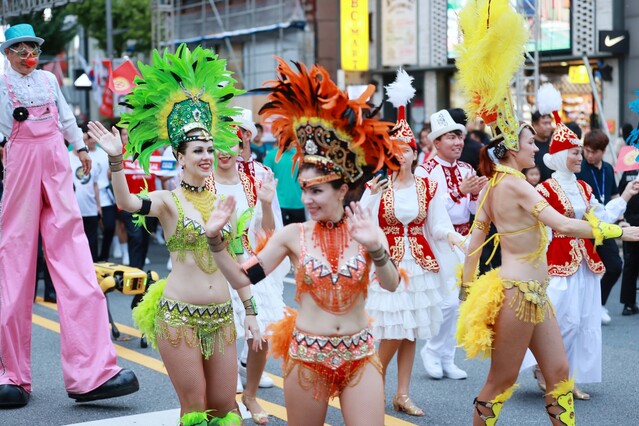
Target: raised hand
x,y
111,142
220,216
362,229
473,184
266,188
377,184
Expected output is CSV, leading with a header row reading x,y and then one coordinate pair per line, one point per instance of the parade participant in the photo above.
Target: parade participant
x,y
181,100
38,198
328,347
507,309
257,215
573,264
459,185
412,217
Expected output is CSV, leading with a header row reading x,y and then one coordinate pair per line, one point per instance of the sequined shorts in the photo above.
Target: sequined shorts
x,y
328,364
197,325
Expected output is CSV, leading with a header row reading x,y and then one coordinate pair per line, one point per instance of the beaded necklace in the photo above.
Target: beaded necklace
x,y
200,198
332,238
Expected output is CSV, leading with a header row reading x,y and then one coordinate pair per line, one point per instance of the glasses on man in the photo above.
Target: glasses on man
x,y
24,53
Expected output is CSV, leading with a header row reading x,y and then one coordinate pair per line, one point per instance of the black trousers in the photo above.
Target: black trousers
x,y
630,273
138,244
91,230
609,253
109,214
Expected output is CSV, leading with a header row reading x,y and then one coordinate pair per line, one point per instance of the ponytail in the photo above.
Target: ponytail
x,y
486,164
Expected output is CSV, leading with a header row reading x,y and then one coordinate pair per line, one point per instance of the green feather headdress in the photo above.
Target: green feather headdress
x,y
176,94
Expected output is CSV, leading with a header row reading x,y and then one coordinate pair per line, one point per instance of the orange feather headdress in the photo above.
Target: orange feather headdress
x,y
327,128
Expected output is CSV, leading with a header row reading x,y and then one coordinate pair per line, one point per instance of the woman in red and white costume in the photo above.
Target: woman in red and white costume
x,y
573,264
412,214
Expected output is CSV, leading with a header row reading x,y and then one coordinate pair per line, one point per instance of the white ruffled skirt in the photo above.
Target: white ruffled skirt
x,y
269,300
413,311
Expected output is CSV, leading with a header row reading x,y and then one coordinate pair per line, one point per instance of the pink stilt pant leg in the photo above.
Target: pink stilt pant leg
x,y
21,203
88,355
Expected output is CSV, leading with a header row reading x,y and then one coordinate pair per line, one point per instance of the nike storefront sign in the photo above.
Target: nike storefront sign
x,y
614,41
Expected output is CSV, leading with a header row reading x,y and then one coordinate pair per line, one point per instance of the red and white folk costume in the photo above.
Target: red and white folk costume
x,y
449,178
573,264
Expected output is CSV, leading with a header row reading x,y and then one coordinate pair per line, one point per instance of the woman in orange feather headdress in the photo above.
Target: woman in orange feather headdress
x,y
327,348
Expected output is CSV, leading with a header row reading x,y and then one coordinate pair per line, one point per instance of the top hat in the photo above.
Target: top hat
x,y
441,123
18,34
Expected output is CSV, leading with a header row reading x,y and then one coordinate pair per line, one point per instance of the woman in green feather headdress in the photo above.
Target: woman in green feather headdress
x,y
182,100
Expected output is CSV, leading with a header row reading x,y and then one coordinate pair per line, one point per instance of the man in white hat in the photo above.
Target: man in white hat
x,y
461,186
38,198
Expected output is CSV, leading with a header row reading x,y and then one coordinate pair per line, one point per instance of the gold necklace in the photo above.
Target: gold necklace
x,y
200,198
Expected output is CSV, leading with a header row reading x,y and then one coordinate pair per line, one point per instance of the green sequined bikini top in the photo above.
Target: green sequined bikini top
x,y
190,237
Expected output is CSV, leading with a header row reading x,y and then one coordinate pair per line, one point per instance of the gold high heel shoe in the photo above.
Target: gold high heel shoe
x,y
579,394
541,382
260,418
404,403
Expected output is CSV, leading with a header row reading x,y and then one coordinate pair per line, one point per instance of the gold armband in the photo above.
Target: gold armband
x,y
538,207
482,226
602,230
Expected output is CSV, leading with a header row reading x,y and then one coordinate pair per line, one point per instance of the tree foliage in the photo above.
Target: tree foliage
x,y
57,33
131,23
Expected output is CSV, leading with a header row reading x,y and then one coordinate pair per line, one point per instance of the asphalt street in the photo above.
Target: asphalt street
x,y
446,402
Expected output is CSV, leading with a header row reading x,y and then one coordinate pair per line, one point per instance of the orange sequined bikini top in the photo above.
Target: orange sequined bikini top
x,y
335,293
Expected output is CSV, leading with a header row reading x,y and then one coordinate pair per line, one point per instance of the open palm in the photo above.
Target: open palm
x,y
111,142
361,227
220,216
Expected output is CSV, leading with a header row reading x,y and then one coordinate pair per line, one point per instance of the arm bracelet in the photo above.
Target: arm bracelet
x,y
146,204
250,308
254,270
217,243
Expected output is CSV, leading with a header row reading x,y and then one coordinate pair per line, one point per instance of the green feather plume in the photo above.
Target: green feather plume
x,y
177,91
231,419
195,418
144,314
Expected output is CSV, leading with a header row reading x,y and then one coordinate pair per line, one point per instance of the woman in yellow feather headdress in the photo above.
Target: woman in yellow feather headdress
x,y
507,310
328,349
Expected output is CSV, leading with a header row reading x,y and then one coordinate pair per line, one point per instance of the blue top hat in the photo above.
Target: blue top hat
x,y
19,33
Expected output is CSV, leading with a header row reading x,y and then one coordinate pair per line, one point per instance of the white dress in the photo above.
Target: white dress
x,y
413,311
268,293
577,301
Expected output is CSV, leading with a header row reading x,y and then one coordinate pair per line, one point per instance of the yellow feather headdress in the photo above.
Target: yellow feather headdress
x,y
493,48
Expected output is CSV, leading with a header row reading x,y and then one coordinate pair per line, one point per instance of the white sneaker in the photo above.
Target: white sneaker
x,y
117,248
451,371
433,365
169,264
266,381
159,238
125,257
147,261
605,317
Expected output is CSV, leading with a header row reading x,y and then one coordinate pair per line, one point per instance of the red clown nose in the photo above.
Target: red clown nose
x,y
31,61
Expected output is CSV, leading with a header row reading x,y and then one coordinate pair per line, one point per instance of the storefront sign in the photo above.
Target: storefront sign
x,y
578,74
399,32
354,34
614,41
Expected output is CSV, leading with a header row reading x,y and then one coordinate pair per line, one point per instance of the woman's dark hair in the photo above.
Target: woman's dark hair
x,y
486,165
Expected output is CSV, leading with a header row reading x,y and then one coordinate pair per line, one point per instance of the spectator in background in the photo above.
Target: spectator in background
x,y
288,188
630,251
532,175
426,148
87,194
600,176
543,133
107,208
575,128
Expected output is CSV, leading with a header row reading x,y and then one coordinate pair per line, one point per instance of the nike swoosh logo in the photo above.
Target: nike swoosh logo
x,y
609,42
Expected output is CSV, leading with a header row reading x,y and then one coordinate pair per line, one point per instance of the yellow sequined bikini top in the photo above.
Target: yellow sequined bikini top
x,y
190,237
540,252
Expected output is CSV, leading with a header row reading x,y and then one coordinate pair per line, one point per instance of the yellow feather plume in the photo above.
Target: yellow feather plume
x,y
493,47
